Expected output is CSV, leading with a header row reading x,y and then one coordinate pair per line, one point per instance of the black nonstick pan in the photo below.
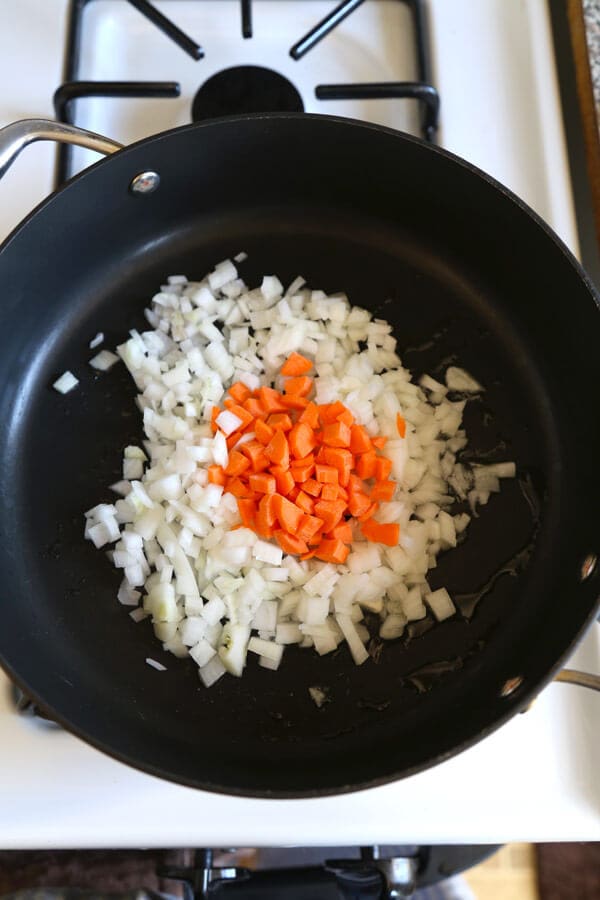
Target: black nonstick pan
x,y
465,272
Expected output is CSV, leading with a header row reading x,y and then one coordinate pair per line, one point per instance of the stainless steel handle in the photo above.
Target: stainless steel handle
x,y
583,679
15,137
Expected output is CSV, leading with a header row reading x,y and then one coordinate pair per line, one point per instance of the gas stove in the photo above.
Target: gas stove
x,y
490,82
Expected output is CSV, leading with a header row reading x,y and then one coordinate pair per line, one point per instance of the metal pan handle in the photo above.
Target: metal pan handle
x,y
583,679
15,137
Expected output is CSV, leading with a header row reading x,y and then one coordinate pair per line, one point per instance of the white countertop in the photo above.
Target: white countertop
x,y
534,779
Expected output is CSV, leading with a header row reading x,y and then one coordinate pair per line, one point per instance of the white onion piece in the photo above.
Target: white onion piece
x,y
65,383
440,604
202,652
96,341
233,647
459,380
104,360
357,648
155,665
138,615
266,649
212,671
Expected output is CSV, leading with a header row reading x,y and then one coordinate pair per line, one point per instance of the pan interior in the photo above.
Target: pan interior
x,y
73,450
76,649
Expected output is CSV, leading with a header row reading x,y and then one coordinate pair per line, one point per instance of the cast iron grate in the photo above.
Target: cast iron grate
x,y
421,90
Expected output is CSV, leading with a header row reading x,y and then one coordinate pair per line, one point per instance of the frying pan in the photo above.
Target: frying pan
x,y
465,273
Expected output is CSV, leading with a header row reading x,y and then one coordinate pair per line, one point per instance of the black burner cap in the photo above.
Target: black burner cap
x,y
245,89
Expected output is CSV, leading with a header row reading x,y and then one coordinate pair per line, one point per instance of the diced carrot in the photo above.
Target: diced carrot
x,y
247,511
331,511
261,462
303,467
358,503
301,440
296,364
360,442
216,474
309,526
239,391
301,463
340,459
383,533
310,415
334,551
302,473
355,484
214,413
294,401
254,407
242,414
278,451
322,451
261,527
252,449
383,490
263,432
305,502
287,513
341,532
379,442
329,492
237,487
266,509
326,474
346,417
279,422
255,452
369,512
312,487
337,434
284,479
261,483
300,386
365,467
328,412
289,543
270,400
237,463
383,467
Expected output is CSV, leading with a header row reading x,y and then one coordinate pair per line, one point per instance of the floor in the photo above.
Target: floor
x,y
510,874
516,872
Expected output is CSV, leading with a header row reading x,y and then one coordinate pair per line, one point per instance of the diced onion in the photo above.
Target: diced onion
x,y
104,360
218,593
155,665
65,383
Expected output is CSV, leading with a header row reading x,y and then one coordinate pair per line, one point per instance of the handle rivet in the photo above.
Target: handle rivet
x,y
510,686
588,566
145,183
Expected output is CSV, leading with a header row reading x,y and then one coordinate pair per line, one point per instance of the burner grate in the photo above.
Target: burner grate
x,y
421,90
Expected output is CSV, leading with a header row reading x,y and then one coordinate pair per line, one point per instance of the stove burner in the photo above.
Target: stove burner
x,y
245,89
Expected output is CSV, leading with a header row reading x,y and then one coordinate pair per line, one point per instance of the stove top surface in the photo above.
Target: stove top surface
x,y
494,67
